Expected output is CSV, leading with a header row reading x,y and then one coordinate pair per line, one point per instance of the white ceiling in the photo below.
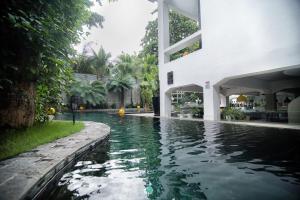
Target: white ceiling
x,y
188,8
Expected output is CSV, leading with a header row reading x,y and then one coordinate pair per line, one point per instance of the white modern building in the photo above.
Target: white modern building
x,y
247,46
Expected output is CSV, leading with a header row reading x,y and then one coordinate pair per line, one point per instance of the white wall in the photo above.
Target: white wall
x,y
239,37
294,111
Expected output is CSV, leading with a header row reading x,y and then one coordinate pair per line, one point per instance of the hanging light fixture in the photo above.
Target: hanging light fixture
x,y
241,98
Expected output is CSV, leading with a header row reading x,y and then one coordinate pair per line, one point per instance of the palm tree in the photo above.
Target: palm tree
x,y
129,65
120,82
82,64
100,61
125,64
90,93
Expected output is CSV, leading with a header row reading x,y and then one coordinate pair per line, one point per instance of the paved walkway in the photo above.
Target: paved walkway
x,y
142,114
32,170
248,123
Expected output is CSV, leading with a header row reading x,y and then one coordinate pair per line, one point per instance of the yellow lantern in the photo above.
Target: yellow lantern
x,y
51,111
121,112
138,108
241,98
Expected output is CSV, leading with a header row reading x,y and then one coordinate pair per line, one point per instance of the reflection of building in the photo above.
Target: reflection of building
x,y
246,47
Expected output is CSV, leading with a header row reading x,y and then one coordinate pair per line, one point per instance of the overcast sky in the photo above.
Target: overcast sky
x,y
123,28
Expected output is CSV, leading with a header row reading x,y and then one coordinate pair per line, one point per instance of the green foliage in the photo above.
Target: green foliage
x,y
36,43
49,91
180,28
197,112
126,65
99,62
15,142
90,93
82,64
120,82
122,76
190,97
233,113
149,79
36,36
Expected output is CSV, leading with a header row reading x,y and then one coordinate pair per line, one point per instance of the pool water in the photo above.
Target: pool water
x,y
151,158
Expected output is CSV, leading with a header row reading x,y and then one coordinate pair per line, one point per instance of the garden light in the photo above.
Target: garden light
x,y
121,112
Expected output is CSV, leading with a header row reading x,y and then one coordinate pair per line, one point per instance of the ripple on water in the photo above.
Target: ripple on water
x,y
149,158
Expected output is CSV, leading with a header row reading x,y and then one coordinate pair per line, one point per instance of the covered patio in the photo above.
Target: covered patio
x,y
186,101
271,96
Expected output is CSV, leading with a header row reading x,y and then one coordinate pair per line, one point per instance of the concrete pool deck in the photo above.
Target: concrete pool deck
x,y
23,176
258,124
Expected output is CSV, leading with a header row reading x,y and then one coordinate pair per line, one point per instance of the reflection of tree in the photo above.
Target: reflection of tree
x,y
100,154
182,158
177,180
152,154
265,147
142,136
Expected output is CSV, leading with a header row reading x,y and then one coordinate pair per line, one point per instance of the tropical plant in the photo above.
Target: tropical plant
x,y
36,42
120,82
233,114
190,97
99,61
149,80
82,64
197,112
93,94
129,65
126,64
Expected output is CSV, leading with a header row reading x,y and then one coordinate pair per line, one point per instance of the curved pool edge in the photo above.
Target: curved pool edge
x,y
27,175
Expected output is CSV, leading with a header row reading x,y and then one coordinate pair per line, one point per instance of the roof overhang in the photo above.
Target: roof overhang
x,y
188,8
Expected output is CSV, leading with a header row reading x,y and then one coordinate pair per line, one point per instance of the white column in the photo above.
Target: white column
x,y
165,104
163,43
163,31
211,103
223,100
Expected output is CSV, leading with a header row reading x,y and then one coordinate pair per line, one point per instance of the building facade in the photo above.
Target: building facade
x,y
246,47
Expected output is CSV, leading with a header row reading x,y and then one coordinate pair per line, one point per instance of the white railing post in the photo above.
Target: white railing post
x,y
163,31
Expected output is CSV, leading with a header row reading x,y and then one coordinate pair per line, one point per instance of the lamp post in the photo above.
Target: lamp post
x,y
74,104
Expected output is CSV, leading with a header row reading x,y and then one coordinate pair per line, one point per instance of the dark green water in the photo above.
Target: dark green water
x,y
149,158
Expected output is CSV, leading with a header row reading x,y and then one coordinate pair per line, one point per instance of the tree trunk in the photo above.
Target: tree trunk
x,y
131,97
97,75
122,98
17,106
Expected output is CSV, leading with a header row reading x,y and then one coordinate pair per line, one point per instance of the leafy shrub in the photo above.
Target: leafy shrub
x,y
233,113
90,93
197,112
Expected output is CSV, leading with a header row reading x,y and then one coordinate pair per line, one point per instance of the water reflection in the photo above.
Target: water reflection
x,y
171,159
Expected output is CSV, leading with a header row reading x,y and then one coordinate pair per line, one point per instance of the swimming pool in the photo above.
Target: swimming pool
x,y
151,158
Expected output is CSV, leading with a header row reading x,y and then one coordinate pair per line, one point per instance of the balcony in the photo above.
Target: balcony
x,y
188,42
190,11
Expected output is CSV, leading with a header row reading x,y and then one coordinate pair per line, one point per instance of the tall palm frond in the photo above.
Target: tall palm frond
x,y
100,61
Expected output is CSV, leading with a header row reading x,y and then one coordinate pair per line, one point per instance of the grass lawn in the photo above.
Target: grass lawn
x,y
15,142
